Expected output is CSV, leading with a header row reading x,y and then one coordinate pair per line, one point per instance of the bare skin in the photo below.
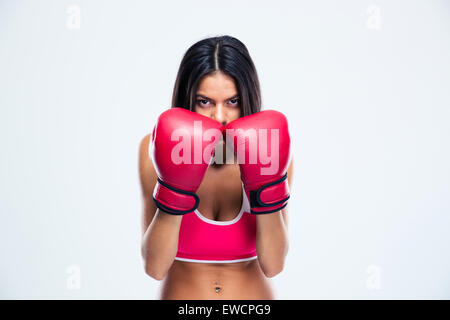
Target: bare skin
x,y
220,196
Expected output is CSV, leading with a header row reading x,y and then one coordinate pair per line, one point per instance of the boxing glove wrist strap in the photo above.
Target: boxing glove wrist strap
x,y
173,200
270,197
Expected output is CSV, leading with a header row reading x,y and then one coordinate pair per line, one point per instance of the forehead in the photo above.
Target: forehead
x,y
217,85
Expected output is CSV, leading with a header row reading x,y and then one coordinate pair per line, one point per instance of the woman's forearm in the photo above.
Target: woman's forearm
x,y
271,243
160,244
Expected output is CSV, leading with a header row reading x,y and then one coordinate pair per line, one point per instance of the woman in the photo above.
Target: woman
x,y
216,79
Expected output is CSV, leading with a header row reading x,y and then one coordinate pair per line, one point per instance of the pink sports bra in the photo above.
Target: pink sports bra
x,y
208,241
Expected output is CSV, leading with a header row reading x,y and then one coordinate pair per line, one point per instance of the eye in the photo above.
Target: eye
x,y
234,101
202,102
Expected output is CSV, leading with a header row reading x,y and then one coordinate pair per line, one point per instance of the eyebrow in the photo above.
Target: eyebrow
x,y
205,97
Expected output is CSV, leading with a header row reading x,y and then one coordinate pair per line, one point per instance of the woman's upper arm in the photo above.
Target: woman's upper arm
x,y
148,177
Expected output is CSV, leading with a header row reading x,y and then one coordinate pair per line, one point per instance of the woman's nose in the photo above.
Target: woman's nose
x,y
219,113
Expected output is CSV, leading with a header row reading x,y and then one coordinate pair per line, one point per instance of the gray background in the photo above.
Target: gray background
x,y
365,85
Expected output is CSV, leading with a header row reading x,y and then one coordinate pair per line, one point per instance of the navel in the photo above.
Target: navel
x,y
217,287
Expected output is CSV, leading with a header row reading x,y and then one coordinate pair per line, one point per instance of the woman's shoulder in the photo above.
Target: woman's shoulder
x,y
144,144
147,172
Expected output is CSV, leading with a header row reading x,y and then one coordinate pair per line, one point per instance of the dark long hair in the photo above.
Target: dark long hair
x,y
227,55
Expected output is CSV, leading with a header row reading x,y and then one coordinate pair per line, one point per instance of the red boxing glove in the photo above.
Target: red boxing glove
x,y
262,145
182,146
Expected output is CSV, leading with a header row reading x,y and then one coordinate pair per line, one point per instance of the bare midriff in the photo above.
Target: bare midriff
x,y
205,281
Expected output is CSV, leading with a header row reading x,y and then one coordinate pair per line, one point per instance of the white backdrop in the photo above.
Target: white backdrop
x,y
365,85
